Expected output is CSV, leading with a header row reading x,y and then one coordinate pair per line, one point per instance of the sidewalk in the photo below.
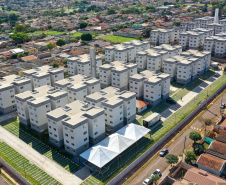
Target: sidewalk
x,y
187,98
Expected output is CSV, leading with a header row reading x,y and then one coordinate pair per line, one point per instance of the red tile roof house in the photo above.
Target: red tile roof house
x,y
141,105
200,177
211,164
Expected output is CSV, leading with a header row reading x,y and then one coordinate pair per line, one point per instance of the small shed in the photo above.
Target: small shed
x,y
141,105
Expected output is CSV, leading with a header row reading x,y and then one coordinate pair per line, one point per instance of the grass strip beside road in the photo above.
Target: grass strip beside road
x,y
4,176
31,172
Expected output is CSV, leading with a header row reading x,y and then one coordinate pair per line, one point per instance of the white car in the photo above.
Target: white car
x,y
157,172
147,181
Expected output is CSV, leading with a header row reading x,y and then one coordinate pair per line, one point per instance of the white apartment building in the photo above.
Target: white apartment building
x,y
33,106
151,59
78,87
216,44
203,59
188,26
172,50
116,74
164,36
9,87
217,28
119,107
76,126
223,22
150,87
194,39
44,75
204,21
183,69
82,65
125,52
139,45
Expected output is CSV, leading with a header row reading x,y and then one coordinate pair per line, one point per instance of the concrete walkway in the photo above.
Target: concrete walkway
x,y
50,167
187,98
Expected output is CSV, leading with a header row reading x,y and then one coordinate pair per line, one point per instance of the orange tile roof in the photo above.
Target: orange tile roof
x,y
77,52
141,104
29,58
201,177
210,161
218,147
223,123
222,133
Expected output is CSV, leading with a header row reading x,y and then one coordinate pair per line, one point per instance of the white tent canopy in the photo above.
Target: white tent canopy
x,y
113,145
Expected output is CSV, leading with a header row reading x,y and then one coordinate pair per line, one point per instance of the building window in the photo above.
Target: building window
x,y
85,139
84,133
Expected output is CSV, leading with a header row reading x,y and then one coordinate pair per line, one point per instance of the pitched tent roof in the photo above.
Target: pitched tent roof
x,y
117,142
99,155
109,148
133,131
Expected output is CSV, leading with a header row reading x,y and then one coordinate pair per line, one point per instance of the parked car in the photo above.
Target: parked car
x,y
170,100
164,152
147,181
157,172
216,74
223,106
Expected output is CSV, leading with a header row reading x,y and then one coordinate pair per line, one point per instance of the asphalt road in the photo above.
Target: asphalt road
x,y
3,182
177,146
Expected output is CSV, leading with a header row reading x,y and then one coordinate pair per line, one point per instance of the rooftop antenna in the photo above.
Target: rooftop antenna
x,y
216,17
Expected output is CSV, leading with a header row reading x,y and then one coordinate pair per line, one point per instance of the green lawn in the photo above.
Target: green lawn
x,y
117,38
146,142
31,172
40,143
9,11
77,34
48,32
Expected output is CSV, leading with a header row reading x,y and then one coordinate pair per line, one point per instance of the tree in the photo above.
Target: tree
x,y
60,42
19,38
171,159
77,38
155,178
195,136
50,46
14,56
147,32
86,37
83,25
111,11
20,28
55,64
65,61
190,157
20,55
140,37
176,23
50,27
